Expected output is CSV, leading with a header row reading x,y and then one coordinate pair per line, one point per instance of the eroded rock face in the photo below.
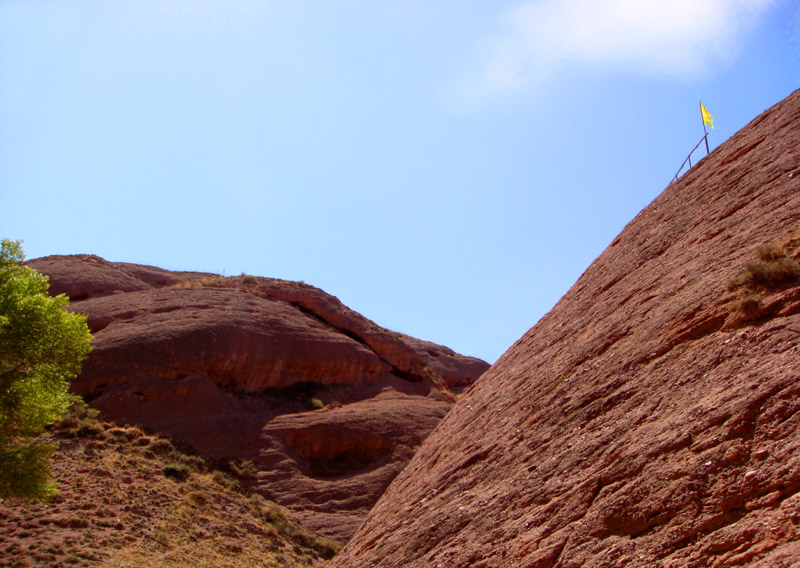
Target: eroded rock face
x,y
375,436
649,419
235,366
238,338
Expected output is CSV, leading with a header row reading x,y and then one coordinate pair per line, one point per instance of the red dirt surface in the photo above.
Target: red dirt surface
x,y
649,419
241,368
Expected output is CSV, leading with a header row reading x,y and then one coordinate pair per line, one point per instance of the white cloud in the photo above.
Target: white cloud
x,y
672,38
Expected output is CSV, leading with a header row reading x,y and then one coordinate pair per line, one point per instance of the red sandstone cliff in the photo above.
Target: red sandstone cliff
x,y
651,418
238,368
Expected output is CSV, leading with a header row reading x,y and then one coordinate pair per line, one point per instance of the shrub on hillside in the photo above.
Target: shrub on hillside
x,y
775,267
42,347
772,269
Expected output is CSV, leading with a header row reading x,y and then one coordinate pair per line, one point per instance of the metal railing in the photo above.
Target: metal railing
x,y
689,157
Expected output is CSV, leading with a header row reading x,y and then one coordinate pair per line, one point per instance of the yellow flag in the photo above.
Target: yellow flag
x,y
707,119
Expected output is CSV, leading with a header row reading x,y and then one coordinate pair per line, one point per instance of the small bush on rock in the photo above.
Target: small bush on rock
x,y
775,267
766,274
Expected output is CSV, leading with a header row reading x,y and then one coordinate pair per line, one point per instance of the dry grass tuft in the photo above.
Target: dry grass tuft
x,y
766,274
775,267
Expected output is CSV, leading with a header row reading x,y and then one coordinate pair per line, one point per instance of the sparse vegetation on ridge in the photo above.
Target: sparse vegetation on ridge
x,y
207,281
218,281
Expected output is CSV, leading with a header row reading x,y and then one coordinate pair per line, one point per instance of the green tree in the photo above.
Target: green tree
x,y
42,347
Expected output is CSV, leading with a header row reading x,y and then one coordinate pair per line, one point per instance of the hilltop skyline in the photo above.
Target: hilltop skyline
x,y
447,170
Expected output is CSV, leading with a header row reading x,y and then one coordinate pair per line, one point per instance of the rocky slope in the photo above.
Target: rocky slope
x,y
651,418
129,499
328,405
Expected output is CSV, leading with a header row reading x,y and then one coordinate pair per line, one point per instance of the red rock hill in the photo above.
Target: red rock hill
x,y
236,367
651,418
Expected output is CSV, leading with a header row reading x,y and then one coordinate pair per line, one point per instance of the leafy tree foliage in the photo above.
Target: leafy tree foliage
x,y
42,347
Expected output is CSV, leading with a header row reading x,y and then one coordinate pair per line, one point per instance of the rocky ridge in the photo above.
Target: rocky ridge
x,y
651,418
326,404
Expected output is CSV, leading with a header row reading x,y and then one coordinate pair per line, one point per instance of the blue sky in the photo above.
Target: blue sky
x,y
446,168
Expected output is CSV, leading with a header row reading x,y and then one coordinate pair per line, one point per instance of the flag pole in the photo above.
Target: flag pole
x,y
705,132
